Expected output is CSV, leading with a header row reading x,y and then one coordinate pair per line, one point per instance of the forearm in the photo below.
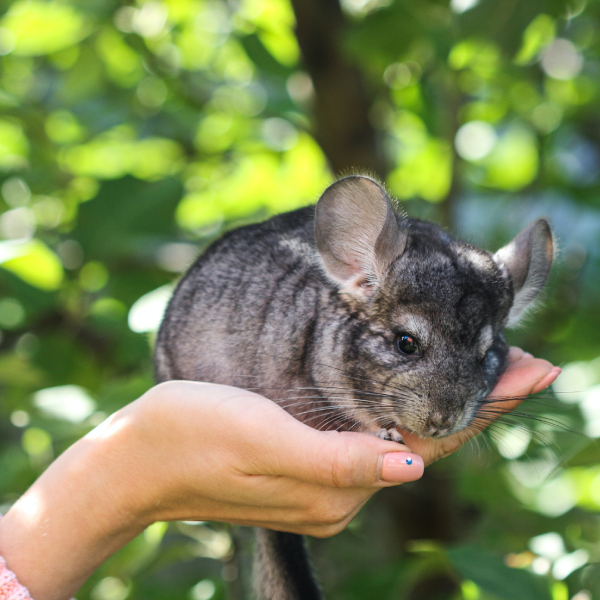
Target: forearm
x,y
69,522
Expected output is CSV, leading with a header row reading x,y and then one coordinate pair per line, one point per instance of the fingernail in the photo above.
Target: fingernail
x,y
401,466
528,355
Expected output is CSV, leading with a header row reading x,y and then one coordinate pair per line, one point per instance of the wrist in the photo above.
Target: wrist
x,y
79,512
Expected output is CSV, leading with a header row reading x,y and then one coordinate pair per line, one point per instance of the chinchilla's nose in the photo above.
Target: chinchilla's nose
x,y
439,424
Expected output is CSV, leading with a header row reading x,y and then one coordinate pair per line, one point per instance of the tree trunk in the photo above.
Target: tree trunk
x,y
342,100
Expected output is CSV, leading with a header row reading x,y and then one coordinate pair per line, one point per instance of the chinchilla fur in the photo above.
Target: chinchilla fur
x,y
352,317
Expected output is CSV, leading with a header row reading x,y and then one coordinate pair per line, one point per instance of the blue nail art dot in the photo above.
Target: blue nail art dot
x,y
409,461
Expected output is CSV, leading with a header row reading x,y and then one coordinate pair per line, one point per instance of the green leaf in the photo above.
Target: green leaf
x,y
588,454
117,152
43,27
33,262
258,53
126,213
539,34
491,574
18,373
14,147
514,161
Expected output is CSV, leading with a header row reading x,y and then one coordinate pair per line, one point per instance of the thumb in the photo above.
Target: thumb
x,y
345,459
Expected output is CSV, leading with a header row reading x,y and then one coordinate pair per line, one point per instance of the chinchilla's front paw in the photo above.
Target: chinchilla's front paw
x,y
391,435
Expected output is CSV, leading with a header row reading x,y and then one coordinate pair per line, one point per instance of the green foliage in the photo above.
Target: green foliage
x,y
491,574
133,133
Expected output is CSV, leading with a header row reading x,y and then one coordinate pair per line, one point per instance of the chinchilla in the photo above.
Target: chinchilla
x,y
351,317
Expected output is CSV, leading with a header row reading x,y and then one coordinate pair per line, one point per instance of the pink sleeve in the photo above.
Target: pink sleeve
x,y
10,588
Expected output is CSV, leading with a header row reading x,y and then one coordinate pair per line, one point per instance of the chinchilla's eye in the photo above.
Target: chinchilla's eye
x,y
407,344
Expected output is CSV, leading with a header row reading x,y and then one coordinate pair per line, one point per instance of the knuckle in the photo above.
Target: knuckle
x,y
340,467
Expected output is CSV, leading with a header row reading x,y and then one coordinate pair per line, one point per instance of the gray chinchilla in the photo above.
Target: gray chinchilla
x,y
351,317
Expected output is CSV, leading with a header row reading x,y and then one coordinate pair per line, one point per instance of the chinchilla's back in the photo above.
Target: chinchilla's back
x,y
247,308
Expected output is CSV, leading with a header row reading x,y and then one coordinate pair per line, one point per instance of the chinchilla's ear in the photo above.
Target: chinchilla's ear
x,y
357,233
527,260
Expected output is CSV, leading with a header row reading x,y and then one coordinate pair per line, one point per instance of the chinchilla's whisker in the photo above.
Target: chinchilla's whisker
x,y
398,392
320,393
528,400
476,427
349,400
319,388
363,379
516,391
358,422
341,403
474,441
544,440
493,415
494,436
488,437
486,447
332,419
498,440
538,436
325,388
350,390
377,420
332,415
316,409
487,443
321,409
512,426
548,420
570,392
345,373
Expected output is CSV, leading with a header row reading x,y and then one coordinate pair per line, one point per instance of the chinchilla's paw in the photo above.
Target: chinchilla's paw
x,y
391,435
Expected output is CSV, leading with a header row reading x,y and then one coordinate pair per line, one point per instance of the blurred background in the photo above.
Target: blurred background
x,y
133,134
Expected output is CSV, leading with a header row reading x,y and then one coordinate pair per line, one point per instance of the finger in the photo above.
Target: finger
x,y
316,529
319,531
515,354
343,459
327,508
522,377
336,459
547,381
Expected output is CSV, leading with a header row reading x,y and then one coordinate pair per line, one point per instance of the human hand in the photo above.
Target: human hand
x,y
221,453
190,451
525,375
